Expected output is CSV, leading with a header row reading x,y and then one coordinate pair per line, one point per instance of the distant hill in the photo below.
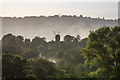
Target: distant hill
x,y
43,26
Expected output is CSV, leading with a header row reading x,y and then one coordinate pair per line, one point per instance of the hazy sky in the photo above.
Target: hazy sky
x,y
54,7
59,0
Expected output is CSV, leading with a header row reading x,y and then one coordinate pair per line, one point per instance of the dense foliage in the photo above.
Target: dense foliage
x,y
102,53
15,67
97,56
47,59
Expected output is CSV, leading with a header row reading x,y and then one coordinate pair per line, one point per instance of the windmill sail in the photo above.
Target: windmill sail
x,y
57,37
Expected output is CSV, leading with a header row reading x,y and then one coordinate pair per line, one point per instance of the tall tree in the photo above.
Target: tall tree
x,y
102,52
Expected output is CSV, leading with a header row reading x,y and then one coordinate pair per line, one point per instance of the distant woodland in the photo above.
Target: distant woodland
x,y
97,56
42,25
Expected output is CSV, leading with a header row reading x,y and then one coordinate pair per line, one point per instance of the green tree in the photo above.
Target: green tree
x,y
37,41
33,53
68,38
45,69
102,53
12,44
83,42
78,38
14,66
19,40
7,38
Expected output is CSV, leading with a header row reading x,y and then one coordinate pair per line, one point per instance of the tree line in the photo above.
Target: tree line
x,y
97,56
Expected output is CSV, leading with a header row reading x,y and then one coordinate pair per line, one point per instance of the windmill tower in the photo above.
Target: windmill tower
x,y
57,37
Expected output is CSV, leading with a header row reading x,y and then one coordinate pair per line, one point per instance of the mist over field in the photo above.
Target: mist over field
x,y
42,26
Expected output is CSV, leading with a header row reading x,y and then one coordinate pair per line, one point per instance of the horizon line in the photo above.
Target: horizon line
x,y
27,16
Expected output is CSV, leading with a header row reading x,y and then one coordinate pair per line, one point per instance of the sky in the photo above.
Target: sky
x,y
59,0
93,8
